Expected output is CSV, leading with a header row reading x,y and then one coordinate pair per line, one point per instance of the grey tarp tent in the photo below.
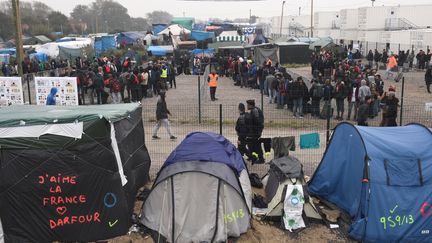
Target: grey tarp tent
x,y
201,194
262,51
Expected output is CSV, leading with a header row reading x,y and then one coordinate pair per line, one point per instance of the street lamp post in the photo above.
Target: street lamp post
x,y
281,21
312,17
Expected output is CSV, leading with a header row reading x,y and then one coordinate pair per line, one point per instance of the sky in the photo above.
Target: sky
x,y
231,9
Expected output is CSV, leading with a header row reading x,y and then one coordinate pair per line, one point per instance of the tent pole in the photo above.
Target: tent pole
x,y
199,99
220,119
402,101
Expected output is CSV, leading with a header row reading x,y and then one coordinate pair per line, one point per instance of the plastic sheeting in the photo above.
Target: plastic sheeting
x,y
202,35
186,22
104,43
261,53
157,28
72,130
42,57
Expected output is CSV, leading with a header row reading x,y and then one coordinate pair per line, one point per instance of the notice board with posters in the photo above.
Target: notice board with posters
x,y
11,92
67,90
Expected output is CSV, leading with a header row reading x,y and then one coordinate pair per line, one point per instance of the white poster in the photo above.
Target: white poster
x,y
67,91
11,92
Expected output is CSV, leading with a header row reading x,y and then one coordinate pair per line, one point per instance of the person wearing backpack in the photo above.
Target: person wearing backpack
x,y
255,132
317,92
115,91
340,95
135,86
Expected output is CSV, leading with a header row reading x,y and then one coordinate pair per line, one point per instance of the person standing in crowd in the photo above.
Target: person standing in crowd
x,y
297,95
317,92
212,81
340,95
144,83
428,79
389,104
377,58
162,113
255,132
172,75
280,91
115,87
384,57
164,77
51,98
363,112
242,129
328,95
370,58
364,91
391,66
134,82
353,102
99,85
270,80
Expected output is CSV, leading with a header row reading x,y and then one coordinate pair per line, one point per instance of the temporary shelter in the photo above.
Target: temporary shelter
x,y
262,51
158,28
202,35
104,43
70,174
203,52
294,52
382,178
42,57
160,50
129,38
186,22
175,30
201,194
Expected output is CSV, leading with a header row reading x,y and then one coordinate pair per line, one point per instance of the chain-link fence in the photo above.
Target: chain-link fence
x,y
278,123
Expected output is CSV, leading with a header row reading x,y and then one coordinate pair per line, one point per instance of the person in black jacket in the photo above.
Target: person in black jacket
x,y
297,95
242,130
390,103
428,79
162,113
363,112
255,131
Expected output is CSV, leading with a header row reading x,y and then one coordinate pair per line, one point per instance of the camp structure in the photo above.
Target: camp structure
x,y
130,38
104,43
175,30
201,194
186,22
263,51
382,178
160,50
294,52
284,172
70,174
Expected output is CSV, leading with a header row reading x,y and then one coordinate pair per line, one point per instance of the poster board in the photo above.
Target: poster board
x,y
67,90
11,91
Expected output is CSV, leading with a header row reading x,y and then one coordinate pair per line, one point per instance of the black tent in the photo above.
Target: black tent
x,y
70,173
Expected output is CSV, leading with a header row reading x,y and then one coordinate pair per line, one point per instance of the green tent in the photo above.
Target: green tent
x,y
186,22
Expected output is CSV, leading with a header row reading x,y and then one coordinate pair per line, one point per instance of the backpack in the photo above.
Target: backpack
x,y
318,91
107,69
116,86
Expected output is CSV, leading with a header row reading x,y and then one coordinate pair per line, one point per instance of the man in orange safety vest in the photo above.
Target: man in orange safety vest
x,y
212,83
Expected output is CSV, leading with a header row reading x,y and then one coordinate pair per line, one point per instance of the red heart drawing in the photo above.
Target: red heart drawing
x,y
61,210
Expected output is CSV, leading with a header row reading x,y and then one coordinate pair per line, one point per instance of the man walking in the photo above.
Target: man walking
x,y
162,113
212,83
242,130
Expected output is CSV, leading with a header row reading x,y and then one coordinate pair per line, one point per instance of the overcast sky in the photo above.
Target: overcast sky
x,y
231,10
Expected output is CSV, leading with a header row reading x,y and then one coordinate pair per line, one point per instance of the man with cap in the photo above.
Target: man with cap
x,y
255,131
212,81
162,113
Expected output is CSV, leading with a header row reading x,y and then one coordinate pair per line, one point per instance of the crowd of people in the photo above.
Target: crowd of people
x,y
33,65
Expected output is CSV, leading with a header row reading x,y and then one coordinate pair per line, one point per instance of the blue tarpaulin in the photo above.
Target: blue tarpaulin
x,y
10,51
381,177
104,43
205,51
199,27
157,51
158,28
202,35
129,38
41,57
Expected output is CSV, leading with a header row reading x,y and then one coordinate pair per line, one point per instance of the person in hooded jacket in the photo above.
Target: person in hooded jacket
x,y
51,99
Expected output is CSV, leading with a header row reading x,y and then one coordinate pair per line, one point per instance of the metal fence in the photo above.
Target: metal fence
x,y
221,119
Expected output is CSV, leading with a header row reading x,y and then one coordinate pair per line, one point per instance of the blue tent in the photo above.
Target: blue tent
x,y
202,35
41,57
158,28
104,43
9,51
157,50
129,38
206,52
381,177
207,147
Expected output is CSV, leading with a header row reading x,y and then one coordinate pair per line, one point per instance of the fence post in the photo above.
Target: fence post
x,y
402,101
28,88
328,108
262,101
199,99
220,119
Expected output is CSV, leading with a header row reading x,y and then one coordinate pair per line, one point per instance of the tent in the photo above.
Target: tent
x,y
70,174
160,50
175,30
104,43
129,38
186,22
202,35
201,194
382,178
262,51
294,52
158,28
41,57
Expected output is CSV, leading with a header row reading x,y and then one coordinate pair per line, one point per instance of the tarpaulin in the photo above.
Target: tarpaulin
x,y
70,53
261,53
202,35
104,43
42,57
157,28
186,22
